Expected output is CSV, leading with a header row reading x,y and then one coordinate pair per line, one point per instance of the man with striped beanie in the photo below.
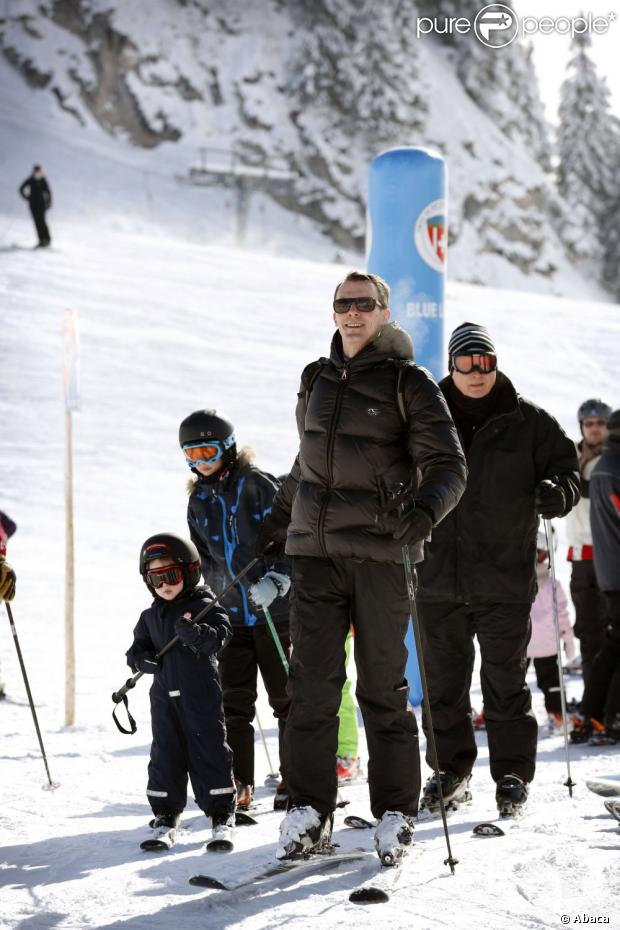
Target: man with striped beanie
x,y
478,577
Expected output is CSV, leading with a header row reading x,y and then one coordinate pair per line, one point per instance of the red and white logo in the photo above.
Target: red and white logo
x,y
430,234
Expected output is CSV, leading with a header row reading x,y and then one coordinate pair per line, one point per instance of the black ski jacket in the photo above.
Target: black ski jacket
x,y
224,518
37,192
356,446
605,516
485,550
192,670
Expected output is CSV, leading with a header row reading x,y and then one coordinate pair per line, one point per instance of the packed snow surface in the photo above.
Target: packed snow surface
x,y
167,327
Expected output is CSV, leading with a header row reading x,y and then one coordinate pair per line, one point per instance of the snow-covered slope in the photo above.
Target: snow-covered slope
x,y
167,327
152,84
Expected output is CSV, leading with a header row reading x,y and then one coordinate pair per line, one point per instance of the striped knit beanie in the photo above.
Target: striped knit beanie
x,y
470,339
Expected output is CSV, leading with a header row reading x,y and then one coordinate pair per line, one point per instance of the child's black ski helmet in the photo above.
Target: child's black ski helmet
x,y
182,551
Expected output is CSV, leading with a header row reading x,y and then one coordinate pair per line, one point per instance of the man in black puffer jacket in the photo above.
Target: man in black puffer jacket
x,y
379,465
479,577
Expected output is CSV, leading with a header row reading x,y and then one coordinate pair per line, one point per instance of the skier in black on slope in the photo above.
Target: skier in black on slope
x,y
187,717
478,577
589,602
599,721
371,476
36,191
229,497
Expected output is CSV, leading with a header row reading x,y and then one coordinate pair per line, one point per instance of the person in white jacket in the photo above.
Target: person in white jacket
x,y
542,648
589,603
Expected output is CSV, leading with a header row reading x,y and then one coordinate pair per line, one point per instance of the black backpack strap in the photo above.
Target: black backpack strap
x,y
309,376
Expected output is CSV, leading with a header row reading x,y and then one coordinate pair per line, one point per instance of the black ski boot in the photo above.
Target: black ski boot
x,y
454,788
304,831
280,798
510,795
164,827
222,826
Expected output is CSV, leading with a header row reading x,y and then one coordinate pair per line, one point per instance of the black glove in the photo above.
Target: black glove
x,y
147,663
7,581
188,632
405,519
550,500
271,539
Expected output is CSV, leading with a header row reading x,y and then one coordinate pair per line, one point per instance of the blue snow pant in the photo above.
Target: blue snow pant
x,y
189,738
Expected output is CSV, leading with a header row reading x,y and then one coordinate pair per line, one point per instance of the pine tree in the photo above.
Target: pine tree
x,y
588,143
353,94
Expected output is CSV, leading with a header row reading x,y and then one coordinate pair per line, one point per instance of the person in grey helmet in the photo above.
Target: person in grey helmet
x,y
478,577
588,600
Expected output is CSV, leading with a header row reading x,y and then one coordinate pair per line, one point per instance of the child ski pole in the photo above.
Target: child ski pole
x,y
121,694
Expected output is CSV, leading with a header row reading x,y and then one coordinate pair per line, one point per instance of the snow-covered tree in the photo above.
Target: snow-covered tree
x,y
588,145
353,93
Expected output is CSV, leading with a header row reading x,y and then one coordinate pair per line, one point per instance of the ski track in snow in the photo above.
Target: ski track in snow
x,y
167,327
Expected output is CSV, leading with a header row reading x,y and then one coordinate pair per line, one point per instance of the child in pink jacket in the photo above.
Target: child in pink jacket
x,y
542,647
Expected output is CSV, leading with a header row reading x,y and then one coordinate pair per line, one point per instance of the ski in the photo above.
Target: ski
x,y
219,845
302,867
161,842
607,786
377,890
358,823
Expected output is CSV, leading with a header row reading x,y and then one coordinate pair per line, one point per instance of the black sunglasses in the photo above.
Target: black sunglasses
x,y
363,304
168,574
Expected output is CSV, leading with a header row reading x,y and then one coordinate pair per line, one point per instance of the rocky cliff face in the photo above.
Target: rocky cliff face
x,y
316,88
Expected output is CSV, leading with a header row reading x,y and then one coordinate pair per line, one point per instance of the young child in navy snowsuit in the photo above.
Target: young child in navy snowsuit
x,y
187,717
229,500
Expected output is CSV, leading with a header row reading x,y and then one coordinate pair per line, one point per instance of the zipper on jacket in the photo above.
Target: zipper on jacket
x,y
331,436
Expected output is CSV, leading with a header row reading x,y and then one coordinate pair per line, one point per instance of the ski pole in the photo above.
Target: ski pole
x,y
276,638
51,785
569,783
417,632
121,694
273,776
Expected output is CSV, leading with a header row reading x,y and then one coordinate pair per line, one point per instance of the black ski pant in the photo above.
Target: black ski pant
x,y
601,697
503,632
590,613
38,216
328,596
548,680
188,738
252,649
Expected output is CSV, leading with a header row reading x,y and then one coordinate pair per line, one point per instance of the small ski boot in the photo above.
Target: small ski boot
x,y
221,833
348,769
280,798
245,796
393,837
584,728
510,795
164,827
304,831
454,788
